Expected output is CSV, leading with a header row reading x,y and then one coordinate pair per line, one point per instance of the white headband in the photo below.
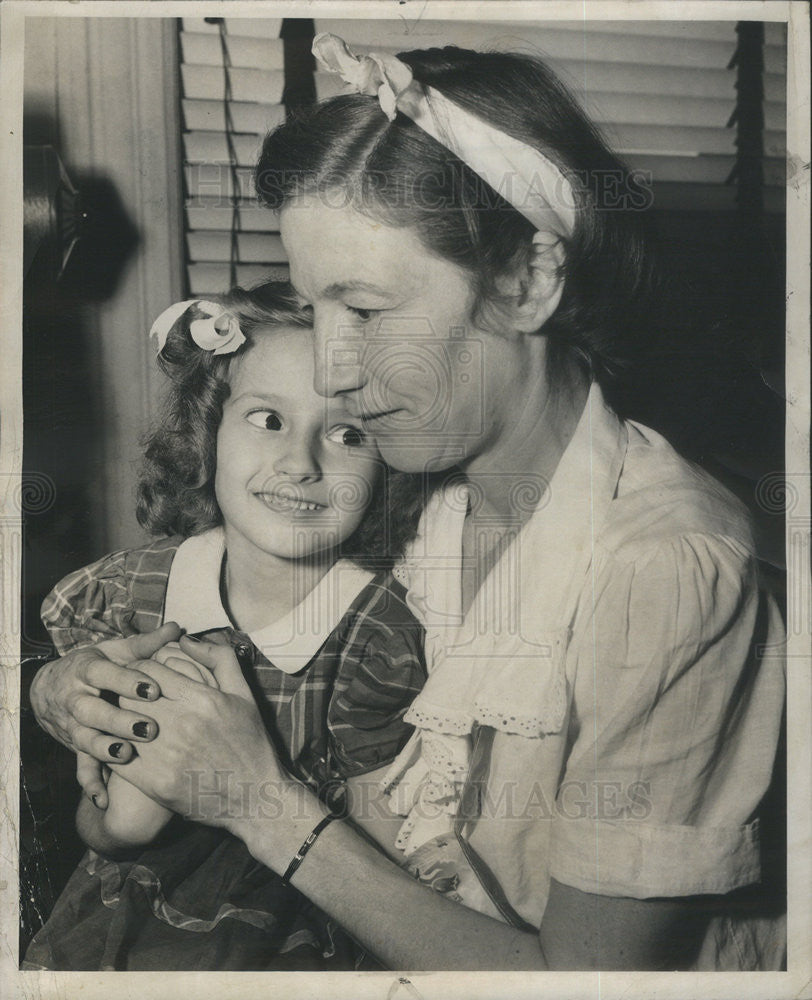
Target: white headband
x,y
523,176
219,333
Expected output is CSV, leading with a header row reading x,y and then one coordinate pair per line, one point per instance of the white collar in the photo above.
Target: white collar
x,y
507,650
193,601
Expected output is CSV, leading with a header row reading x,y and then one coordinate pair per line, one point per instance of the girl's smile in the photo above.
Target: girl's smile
x,y
295,472
289,504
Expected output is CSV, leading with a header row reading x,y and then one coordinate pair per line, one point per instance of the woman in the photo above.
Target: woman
x,y
601,719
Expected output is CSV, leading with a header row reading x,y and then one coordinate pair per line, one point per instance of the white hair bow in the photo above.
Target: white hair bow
x,y
219,332
381,76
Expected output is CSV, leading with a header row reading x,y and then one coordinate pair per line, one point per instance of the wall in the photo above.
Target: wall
x,y
104,93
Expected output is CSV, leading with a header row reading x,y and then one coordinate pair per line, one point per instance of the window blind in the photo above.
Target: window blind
x,y
774,106
663,93
233,80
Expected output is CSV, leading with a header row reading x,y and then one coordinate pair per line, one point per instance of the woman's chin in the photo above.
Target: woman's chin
x,y
407,454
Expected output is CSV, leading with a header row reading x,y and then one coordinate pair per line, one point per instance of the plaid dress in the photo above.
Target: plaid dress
x,y
195,898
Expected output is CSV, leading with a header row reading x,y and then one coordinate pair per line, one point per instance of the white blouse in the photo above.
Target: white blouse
x,y
613,696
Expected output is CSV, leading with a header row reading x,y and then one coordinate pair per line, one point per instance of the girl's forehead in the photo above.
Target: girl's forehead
x,y
277,355
279,368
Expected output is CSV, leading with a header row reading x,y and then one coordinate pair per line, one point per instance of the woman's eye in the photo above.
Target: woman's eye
x,y
363,314
350,437
268,420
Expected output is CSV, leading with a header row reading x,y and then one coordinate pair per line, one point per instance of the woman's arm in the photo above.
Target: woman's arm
x,y
409,926
214,763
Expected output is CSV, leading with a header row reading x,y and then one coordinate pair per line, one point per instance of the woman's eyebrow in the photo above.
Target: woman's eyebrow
x,y
339,288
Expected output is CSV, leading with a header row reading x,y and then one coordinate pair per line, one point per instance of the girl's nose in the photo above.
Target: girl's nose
x,y
338,356
298,461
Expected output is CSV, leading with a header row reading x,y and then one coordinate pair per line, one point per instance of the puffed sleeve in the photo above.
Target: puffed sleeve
x,y
382,670
678,692
119,595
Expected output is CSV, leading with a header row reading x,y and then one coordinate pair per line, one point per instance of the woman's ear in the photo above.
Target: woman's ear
x,y
537,289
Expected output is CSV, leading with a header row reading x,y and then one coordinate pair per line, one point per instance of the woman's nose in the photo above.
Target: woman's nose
x,y
338,357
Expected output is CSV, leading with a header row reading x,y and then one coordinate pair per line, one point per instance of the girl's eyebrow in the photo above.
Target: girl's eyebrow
x,y
263,397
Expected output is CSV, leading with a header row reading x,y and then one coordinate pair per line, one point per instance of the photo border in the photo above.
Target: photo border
x,y
797,981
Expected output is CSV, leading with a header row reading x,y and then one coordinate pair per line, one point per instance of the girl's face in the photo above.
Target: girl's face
x,y
395,339
295,472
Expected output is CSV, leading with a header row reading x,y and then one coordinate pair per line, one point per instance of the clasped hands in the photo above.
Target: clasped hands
x,y
202,722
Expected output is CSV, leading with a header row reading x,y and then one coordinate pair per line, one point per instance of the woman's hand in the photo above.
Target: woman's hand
x,y
212,760
66,703
131,818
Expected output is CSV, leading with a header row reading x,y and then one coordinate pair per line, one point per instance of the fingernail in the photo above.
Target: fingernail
x,y
144,690
115,749
192,638
141,730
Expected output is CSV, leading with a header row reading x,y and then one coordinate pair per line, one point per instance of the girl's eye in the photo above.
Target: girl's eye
x,y
268,420
350,437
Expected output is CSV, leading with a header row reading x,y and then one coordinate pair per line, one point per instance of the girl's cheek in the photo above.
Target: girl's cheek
x,y
372,473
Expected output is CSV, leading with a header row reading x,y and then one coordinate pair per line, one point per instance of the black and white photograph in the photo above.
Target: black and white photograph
x,y
405,499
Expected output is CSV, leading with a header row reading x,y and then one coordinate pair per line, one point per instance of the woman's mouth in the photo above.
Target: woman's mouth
x,y
287,504
381,416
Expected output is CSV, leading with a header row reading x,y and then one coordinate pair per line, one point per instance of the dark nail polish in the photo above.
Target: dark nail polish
x,y
141,730
115,749
143,690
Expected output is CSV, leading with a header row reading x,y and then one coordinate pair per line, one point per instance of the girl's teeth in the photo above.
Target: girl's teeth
x,y
290,502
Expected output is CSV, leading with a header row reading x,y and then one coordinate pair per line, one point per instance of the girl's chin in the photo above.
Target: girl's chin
x,y
302,541
312,551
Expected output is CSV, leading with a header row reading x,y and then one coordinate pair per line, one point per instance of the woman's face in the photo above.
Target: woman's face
x,y
395,339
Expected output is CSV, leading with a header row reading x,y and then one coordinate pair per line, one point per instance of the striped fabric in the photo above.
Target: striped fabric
x,y
341,715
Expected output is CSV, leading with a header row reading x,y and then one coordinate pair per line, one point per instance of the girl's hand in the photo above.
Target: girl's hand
x,y
218,662
173,657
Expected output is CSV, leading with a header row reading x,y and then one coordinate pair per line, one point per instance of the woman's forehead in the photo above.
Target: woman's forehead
x,y
334,248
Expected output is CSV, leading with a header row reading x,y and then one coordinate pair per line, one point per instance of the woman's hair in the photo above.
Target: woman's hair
x,y
396,173
176,489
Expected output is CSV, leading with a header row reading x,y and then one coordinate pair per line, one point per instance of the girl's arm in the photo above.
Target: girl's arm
x,y
131,819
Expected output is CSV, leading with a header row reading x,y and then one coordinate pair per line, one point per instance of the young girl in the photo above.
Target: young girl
x,y
273,502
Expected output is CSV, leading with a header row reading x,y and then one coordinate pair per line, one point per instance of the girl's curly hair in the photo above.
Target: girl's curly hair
x,y
176,489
